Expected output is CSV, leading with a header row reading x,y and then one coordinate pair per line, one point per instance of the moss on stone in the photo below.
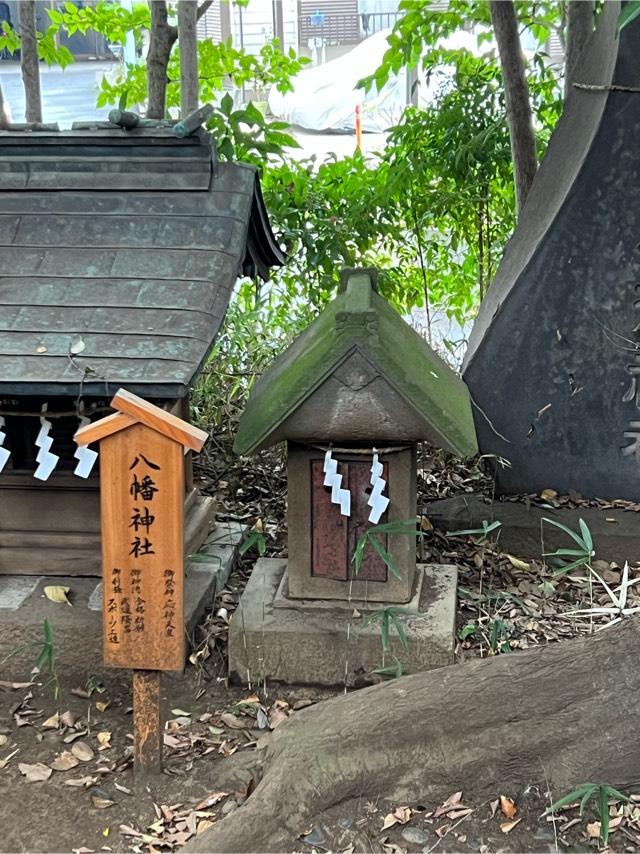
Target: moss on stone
x,y
360,318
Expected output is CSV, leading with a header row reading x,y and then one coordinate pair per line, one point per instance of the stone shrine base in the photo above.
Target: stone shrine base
x,y
326,642
77,631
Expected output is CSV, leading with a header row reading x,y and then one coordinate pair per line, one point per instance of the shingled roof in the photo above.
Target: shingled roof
x,y
119,250
431,400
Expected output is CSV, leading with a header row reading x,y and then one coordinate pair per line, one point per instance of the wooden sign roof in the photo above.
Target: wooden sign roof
x,y
119,253
130,410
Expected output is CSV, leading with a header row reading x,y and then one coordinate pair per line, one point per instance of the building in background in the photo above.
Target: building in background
x,y
89,45
321,29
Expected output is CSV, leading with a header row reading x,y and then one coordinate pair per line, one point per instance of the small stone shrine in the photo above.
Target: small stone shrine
x,y
553,365
120,248
352,397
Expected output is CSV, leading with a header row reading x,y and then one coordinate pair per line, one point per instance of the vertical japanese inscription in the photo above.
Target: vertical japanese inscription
x,y
142,481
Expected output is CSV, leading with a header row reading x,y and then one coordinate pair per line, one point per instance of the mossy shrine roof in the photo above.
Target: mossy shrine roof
x,y
119,250
359,321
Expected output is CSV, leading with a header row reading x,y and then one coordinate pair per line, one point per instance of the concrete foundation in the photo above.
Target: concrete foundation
x,y
333,642
78,630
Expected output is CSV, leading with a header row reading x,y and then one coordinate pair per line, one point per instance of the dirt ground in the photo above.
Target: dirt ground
x,y
98,806
90,800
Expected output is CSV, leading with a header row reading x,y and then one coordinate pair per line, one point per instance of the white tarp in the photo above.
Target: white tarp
x,y
325,96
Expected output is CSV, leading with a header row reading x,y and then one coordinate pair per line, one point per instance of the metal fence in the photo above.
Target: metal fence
x,y
342,28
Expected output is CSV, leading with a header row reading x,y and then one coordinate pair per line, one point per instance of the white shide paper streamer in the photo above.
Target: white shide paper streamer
x,y
85,456
377,501
334,480
4,452
45,459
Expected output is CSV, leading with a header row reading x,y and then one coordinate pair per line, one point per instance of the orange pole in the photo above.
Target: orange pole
x,y
359,127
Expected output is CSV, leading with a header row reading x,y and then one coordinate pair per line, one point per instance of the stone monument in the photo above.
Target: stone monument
x,y
352,397
553,365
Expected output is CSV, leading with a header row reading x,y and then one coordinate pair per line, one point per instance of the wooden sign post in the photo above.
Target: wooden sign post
x,y
142,507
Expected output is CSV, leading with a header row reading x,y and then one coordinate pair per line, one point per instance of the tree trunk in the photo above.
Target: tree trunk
x,y
29,61
162,37
580,20
565,714
516,90
188,43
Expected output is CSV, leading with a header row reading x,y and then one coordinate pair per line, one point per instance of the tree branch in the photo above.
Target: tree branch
x,y
516,91
29,61
580,20
202,8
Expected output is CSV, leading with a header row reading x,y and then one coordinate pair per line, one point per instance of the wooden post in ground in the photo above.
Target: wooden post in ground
x,y
142,519
147,723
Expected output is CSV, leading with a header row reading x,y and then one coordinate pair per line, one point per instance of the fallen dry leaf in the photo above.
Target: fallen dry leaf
x,y
81,782
508,807
82,750
454,801
276,717
125,830
401,815
67,719
593,830
454,814
517,563
15,686
35,773
57,593
210,800
508,826
104,740
4,762
103,705
203,825
101,803
65,761
235,722
74,736
3,739
53,722
548,494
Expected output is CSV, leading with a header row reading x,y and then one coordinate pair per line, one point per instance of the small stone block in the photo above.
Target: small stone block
x,y
322,643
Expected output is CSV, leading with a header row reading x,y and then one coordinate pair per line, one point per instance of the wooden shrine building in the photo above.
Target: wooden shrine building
x,y
119,250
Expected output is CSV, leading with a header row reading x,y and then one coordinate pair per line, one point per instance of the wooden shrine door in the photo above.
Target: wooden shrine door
x,y
334,536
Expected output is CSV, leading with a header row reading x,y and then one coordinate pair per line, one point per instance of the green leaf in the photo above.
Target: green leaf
x,y
397,623
585,798
570,797
467,631
477,532
358,553
226,104
384,554
394,670
586,534
255,539
628,13
384,629
614,793
567,531
603,804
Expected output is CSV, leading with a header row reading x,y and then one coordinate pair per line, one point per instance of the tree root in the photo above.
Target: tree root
x,y
565,713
